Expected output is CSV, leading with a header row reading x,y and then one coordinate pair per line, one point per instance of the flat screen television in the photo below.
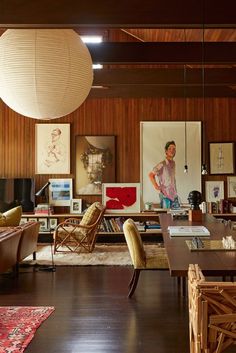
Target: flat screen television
x,y
15,192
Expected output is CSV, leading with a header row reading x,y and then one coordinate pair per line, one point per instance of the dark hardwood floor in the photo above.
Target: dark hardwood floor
x,y
93,313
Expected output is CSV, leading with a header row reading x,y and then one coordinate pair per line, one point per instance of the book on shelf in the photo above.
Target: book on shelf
x,y
152,225
186,231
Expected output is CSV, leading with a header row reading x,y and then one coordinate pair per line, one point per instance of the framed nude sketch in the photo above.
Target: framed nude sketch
x,y
221,157
95,163
186,144
214,191
52,149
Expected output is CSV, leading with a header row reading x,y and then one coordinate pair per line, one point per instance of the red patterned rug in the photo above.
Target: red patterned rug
x,y
18,325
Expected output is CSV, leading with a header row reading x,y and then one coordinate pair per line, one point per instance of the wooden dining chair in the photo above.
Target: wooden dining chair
x,y
73,235
212,313
141,259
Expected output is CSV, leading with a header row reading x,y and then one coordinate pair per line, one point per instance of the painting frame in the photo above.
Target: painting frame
x,y
60,192
221,157
52,148
231,187
187,136
214,190
122,194
76,206
95,163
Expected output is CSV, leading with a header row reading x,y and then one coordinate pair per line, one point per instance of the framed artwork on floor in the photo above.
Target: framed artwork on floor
x,y
52,147
23,220
76,206
43,224
231,186
214,191
121,197
52,223
60,192
155,137
221,157
95,163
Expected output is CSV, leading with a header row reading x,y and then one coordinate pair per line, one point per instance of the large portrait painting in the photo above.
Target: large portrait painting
x,y
95,163
52,148
166,147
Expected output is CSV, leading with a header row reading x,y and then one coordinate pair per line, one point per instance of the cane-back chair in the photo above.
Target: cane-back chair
x,y
73,235
212,313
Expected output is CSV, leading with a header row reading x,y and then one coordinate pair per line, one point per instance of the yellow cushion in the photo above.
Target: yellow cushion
x,y
11,218
92,214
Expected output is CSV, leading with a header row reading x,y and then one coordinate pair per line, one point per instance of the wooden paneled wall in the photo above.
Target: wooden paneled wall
x,y
119,117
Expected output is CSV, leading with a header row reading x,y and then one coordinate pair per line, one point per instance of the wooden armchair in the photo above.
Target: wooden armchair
x,y
74,236
212,313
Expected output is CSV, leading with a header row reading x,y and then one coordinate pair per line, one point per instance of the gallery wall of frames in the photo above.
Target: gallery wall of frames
x,y
102,137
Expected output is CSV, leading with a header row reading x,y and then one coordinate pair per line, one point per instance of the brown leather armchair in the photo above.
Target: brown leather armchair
x,y
28,241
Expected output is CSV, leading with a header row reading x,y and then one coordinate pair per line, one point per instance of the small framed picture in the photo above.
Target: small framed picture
x,y
214,191
76,206
43,224
221,157
52,223
23,220
231,186
60,192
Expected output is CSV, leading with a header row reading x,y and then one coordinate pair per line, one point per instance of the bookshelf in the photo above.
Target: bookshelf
x,y
110,232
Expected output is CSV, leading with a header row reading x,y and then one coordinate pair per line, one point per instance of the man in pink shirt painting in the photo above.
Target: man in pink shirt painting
x,y
163,178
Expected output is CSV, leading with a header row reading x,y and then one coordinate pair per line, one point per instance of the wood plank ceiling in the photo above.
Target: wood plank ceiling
x,y
177,48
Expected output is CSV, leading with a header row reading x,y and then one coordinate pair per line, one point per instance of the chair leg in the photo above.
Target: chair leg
x,y
134,282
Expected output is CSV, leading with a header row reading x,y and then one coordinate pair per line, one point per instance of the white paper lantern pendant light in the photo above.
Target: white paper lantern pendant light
x,y
44,73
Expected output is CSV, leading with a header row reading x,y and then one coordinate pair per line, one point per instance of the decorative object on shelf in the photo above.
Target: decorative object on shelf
x,y
154,136
121,197
214,191
231,186
60,192
195,199
95,163
44,73
52,148
76,206
221,157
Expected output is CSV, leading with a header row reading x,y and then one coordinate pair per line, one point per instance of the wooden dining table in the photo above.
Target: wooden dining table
x,y
212,262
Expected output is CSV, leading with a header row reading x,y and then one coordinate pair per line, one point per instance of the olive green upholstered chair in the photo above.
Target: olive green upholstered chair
x,y
73,235
142,259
